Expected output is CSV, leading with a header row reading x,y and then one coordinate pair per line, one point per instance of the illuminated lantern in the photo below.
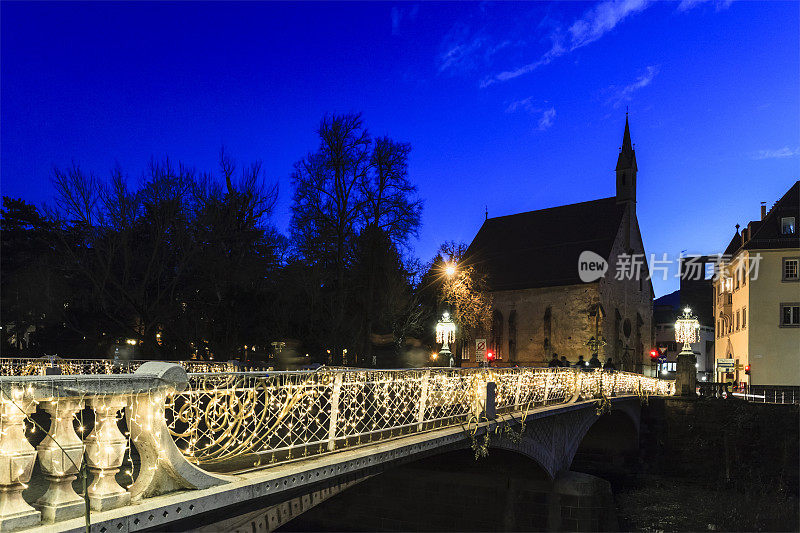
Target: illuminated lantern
x,y
687,330
445,334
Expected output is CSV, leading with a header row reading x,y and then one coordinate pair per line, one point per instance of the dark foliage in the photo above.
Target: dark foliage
x,y
186,264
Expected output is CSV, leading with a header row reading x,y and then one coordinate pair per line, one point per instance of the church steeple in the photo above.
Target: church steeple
x,y
626,168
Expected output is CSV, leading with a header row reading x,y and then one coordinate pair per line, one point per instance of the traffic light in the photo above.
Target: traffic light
x,y
489,356
747,369
653,354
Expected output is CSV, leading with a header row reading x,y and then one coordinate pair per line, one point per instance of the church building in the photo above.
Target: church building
x,y
542,305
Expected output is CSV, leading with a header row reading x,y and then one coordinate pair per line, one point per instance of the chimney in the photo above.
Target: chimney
x,y
763,210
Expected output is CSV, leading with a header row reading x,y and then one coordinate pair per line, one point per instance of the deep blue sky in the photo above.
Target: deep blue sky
x,y
514,106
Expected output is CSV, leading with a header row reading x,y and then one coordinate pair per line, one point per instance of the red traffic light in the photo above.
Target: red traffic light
x,y
490,356
653,354
747,369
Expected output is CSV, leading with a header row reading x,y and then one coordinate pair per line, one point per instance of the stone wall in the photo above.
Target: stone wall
x,y
570,325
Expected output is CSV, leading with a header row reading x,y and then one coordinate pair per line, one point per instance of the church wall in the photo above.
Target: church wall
x,y
570,325
632,300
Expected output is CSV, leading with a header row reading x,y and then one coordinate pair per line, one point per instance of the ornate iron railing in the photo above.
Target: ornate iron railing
x,y
263,418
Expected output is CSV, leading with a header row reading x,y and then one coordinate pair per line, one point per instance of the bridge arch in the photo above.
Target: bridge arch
x,y
553,441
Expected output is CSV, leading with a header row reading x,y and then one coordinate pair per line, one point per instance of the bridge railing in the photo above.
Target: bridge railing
x,y
25,366
160,429
234,420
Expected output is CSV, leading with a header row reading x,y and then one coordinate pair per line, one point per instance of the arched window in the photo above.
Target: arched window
x,y
497,334
547,327
512,336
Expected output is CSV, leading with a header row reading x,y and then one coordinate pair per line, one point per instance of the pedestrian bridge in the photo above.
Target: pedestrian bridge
x,y
166,449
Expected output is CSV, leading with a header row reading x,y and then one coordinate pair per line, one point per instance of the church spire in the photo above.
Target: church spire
x,y
627,157
626,168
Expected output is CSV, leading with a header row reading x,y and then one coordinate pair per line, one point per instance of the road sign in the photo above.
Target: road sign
x,y
480,350
662,349
662,358
725,363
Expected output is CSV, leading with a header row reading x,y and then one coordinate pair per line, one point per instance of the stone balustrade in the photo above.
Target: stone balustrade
x,y
61,453
40,366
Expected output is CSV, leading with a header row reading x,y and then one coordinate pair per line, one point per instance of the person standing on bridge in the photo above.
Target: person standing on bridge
x,y
609,366
564,362
581,364
594,362
554,362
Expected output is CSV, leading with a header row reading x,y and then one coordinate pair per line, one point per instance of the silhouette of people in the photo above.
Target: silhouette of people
x,y
609,365
594,362
554,362
580,363
564,362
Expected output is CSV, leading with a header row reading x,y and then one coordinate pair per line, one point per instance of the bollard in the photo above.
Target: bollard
x,y
491,395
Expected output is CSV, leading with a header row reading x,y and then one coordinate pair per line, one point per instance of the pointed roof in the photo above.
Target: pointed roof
x,y
541,248
735,244
627,156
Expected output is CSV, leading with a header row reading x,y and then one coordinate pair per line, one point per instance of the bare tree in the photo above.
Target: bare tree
x,y
391,212
390,201
328,202
178,254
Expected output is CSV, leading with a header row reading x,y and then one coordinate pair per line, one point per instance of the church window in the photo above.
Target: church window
x,y
512,336
497,334
547,326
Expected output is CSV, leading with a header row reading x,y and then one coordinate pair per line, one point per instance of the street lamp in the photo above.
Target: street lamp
x,y
687,331
450,269
445,334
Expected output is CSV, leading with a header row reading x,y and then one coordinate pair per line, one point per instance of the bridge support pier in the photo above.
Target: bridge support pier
x,y
581,502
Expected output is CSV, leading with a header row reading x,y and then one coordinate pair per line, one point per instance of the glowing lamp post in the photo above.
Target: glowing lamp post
x,y
687,331
445,334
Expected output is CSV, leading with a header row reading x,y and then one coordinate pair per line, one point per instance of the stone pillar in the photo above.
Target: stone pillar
x,y
17,457
686,376
581,502
60,456
105,450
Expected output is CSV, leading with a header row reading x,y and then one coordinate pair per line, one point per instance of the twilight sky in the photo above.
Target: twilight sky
x,y
513,106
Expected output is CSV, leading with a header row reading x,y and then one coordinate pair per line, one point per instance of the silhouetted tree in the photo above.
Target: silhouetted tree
x,y
32,285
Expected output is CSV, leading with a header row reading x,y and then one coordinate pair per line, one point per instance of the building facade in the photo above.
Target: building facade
x,y
542,305
757,299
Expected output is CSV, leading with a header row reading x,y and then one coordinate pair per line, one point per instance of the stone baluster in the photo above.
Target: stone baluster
x,y
60,456
105,450
17,457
